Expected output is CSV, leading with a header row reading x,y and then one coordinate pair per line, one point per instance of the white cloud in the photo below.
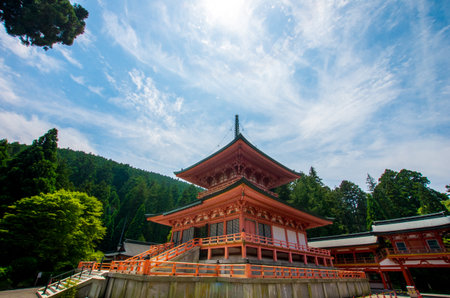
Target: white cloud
x,y
95,89
33,56
24,130
86,40
7,92
82,81
143,96
79,80
68,55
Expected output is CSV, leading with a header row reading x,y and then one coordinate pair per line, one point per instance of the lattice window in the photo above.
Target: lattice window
x,y
401,246
176,238
233,226
216,229
188,235
433,244
264,230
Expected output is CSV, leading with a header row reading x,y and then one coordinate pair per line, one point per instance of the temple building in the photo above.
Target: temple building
x,y
397,252
237,239
237,218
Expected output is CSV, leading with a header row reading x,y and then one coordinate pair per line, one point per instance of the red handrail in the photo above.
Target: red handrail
x,y
151,267
257,239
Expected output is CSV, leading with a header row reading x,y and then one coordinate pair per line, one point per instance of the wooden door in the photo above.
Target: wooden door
x,y
250,226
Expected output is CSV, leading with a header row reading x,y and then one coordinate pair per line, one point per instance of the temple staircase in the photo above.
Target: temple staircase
x,y
68,280
153,251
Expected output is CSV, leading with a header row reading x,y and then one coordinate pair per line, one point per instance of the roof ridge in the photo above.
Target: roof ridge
x,y
409,218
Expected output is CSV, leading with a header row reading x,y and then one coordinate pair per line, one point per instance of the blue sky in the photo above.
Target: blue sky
x,y
349,87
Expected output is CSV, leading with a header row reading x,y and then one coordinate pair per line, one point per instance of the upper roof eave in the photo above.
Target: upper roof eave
x,y
239,137
245,181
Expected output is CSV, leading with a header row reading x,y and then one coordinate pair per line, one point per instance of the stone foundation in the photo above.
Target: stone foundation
x,y
117,285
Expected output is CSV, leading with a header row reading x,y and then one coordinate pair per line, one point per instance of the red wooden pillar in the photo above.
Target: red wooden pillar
x,y
209,253
290,257
259,253
408,277
226,253
305,259
388,279
316,260
275,258
383,279
287,239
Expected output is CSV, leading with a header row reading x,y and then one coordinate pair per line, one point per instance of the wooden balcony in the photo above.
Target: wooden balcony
x,y
262,241
354,261
167,268
415,251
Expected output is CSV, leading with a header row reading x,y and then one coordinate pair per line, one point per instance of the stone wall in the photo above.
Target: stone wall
x,y
119,285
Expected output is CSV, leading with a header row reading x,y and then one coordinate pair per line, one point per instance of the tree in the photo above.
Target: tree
x,y
189,195
43,23
54,231
353,206
32,171
405,193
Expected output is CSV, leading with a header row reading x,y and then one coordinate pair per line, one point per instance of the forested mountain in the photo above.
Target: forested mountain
x,y
127,193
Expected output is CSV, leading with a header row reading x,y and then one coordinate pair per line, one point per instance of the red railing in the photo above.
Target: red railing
x,y
253,238
94,266
359,260
149,267
176,251
153,251
256,239
415,250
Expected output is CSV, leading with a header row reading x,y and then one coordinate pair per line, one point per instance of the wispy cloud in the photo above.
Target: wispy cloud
x,y
19,128
68,56
82,81
32,56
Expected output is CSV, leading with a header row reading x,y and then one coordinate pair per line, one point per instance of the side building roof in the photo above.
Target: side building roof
x,y
412,223
357,239
384,227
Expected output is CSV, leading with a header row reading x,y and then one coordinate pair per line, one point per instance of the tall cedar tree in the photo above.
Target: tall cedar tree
x,y
402,194
43,23
32,171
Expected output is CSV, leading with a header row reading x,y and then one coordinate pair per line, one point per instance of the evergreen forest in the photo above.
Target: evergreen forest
x,y
58,206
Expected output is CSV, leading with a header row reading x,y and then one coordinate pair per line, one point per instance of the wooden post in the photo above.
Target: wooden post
x,y
383,279
248,272
305,259
407,276
259,253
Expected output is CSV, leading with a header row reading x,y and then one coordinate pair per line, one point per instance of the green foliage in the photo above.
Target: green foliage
x,y
396,195
71,292
31,171
404,193
54,230
43,23
127,195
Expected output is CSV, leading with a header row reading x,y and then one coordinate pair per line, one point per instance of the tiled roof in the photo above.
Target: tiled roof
x,y
429,221
365,238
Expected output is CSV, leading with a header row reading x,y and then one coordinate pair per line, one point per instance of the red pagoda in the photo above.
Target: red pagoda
x,y
238,219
